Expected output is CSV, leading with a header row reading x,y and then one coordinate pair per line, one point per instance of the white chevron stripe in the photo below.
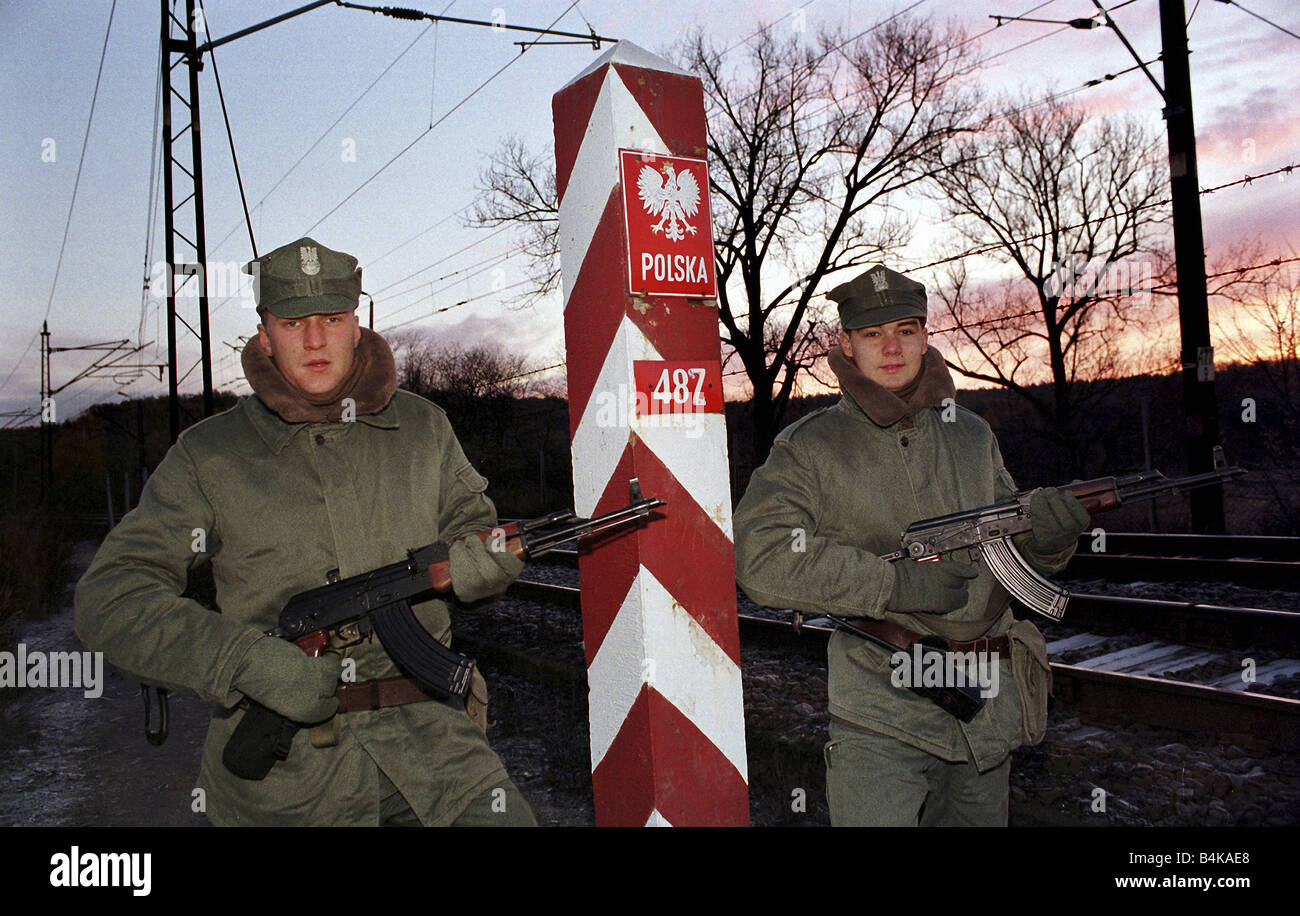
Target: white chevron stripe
x,y
665,647
615,675
656,819
604,430
616,121
694,448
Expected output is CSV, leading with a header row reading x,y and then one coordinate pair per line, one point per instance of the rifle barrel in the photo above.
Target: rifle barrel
x,y
544,542
1145,490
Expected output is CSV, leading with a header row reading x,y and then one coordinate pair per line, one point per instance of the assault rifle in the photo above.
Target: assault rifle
x,y
988,531
345,611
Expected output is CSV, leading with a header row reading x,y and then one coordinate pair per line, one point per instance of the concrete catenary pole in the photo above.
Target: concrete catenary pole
x,y
645,401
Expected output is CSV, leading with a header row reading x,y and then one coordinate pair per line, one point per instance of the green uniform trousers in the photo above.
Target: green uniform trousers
x,y
873,780
500,806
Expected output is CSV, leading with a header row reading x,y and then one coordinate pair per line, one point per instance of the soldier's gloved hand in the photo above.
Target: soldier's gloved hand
x,y
1058,520
286,680
935,587
478,571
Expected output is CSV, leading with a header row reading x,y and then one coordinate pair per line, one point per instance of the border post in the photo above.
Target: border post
x,y
645,401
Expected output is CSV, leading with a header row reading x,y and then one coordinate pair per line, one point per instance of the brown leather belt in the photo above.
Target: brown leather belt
x,y
902,638
377,694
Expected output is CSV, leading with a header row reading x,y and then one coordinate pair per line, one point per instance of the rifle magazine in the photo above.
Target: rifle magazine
x,y
1026,584
438,670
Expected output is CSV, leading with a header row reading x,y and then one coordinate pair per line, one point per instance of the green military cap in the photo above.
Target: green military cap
x,y
305,278
878,296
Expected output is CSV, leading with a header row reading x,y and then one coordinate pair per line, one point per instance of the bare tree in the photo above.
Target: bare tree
x,y
516,189
1071,206
808,143
1259,321
454,371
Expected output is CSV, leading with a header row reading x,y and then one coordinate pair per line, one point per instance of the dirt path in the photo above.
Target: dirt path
x,y
68,760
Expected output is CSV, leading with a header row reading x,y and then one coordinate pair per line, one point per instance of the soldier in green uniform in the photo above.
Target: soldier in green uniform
x,y
836,492
328,467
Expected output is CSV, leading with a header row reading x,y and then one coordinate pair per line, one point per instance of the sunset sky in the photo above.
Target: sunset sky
x,y
290,86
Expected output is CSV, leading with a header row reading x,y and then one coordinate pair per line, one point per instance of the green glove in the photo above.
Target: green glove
x,y
1058,520
934,587
478,571
286,680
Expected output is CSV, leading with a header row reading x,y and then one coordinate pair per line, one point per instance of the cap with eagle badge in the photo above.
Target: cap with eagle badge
x,y
305,278
877,297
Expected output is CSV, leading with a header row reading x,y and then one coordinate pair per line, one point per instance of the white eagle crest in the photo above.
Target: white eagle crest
x,y
672,198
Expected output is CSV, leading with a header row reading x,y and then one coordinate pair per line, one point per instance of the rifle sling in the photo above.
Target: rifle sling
x,y
901,637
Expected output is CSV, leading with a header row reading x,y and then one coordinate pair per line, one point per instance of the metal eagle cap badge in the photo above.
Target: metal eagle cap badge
x,y
309,260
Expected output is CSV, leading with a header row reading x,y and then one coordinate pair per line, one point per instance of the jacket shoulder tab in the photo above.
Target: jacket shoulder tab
x,y
409,405
804,424
973,418
218,426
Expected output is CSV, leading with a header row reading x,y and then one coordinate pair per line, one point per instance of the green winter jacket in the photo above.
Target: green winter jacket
x,y
275,506
835,494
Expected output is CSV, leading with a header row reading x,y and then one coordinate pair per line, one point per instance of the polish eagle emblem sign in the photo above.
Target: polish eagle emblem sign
x,y
672,196
669,235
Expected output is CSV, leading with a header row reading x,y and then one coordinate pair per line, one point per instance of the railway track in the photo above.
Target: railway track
x,y
1129,675
1205,761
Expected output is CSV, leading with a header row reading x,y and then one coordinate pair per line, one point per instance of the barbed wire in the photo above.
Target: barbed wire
x,y
984,249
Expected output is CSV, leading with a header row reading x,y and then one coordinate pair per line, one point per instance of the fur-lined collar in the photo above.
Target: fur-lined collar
x,y
373,385
884,407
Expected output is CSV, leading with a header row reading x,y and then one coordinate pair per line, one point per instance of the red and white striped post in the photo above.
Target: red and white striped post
x,y
645,401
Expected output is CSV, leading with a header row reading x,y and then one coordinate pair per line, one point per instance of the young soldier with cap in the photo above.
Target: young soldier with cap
x,y
837,491
327,468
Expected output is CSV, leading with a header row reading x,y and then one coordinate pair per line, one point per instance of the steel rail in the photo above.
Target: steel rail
x,y
1157,701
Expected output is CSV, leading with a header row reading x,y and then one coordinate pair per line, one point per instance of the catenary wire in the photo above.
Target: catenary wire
x,y
431,127
85,143
1260,18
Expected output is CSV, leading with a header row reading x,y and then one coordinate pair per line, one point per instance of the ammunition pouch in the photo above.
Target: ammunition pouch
x,y
1033,675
